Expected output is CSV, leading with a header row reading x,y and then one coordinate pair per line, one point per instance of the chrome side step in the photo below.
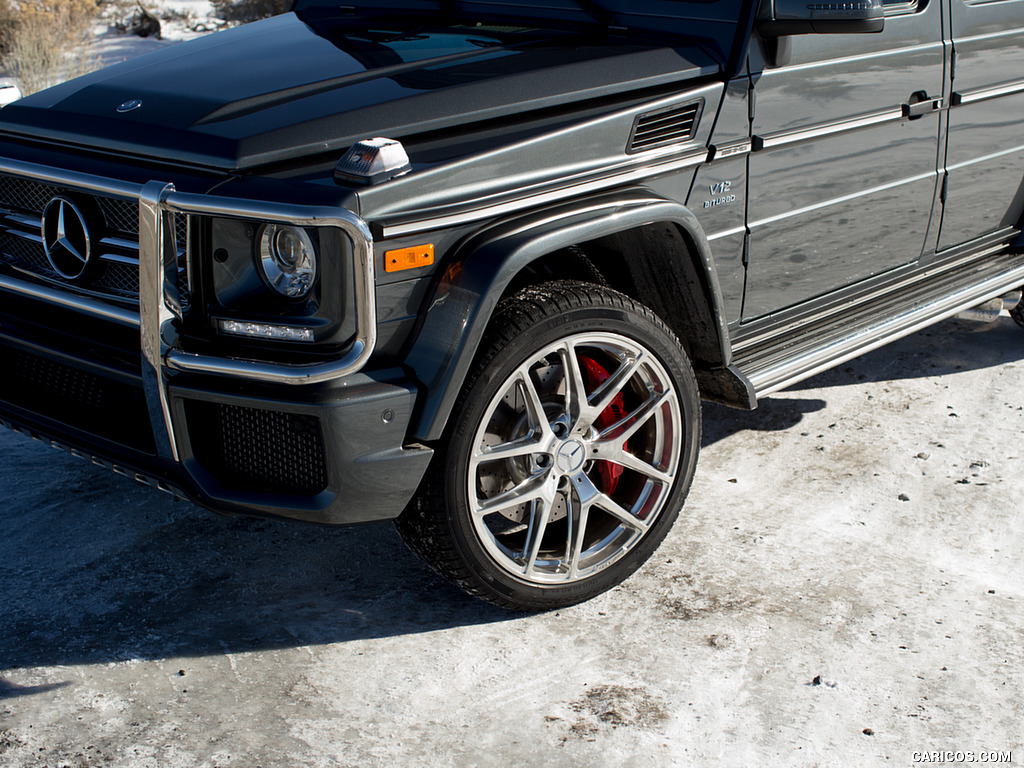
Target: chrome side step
x,y
773,361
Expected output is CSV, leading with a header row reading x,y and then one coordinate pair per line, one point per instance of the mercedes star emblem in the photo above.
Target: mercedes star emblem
x,y
128,106
66,238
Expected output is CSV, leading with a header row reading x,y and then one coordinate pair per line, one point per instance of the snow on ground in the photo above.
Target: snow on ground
x,y
843,588
179,20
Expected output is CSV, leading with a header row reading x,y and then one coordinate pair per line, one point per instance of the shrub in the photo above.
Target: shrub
x,y
42,40
8,19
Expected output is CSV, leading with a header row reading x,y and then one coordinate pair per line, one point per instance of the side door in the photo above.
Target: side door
x,y
985,145
841,184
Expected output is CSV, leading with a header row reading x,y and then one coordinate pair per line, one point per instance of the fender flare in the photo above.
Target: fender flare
x,y
464,299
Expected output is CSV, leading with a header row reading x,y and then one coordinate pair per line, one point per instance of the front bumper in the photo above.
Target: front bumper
x,y
318,441
335,456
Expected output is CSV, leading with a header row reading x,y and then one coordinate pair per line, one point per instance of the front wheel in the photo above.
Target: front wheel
x,y
572,448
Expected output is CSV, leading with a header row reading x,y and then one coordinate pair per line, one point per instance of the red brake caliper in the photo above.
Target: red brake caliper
x,y
596,375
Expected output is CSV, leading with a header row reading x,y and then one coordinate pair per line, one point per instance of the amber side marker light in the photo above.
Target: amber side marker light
x,y
409,258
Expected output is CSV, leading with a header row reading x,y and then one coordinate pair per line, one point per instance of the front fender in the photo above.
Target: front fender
x,y
479,272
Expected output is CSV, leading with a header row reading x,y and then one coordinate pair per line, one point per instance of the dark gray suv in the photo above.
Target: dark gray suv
x,y
474,265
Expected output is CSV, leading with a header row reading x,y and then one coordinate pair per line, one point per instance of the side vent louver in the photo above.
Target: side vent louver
x,y
666,126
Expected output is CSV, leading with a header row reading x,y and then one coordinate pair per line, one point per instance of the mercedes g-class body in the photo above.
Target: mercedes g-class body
x,y
473,266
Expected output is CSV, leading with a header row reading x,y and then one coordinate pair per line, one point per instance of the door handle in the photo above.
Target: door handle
x,y
920,104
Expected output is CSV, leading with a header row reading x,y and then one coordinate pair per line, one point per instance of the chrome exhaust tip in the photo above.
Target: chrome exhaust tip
x,y
1011,300
991,310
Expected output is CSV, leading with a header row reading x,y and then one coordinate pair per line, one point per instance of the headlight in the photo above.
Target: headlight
x,y
287,260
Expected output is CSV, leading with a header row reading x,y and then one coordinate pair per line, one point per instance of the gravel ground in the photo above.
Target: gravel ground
x,y
844,587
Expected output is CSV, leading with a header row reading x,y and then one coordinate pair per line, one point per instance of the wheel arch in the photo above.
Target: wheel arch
x,y
484,267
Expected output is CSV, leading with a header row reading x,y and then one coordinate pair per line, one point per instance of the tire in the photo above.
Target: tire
x,y
550,489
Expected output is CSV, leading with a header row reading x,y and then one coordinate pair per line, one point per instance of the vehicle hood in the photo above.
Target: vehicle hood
x,y
286,88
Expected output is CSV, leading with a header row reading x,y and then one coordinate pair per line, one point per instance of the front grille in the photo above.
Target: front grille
x,y
25,254
118,279
120,215
109,408
258,449
28,195
114,228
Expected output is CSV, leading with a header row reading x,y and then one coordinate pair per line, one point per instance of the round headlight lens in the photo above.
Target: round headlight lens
x,y
287,260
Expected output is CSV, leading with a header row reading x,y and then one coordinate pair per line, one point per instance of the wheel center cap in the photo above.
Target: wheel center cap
x,y
570,456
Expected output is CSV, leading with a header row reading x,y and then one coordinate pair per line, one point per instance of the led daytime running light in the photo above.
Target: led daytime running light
x,y
265,330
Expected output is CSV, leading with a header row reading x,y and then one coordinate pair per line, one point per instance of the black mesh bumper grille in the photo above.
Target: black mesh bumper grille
x,y
111,409
257,449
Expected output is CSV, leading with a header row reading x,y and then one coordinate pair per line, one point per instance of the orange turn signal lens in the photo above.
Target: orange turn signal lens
x,y
409,258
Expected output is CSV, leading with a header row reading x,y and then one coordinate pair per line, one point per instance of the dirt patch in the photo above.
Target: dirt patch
x,y
9,740
695,605
607,707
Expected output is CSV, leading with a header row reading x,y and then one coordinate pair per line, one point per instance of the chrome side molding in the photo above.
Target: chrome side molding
x,y
770,141
959,98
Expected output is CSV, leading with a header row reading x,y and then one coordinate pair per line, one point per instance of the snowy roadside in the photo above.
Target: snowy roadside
x,y
844,587
123,30
179,20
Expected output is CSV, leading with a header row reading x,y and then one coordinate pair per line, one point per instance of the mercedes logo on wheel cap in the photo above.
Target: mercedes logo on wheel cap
x,y
66,238
570,456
